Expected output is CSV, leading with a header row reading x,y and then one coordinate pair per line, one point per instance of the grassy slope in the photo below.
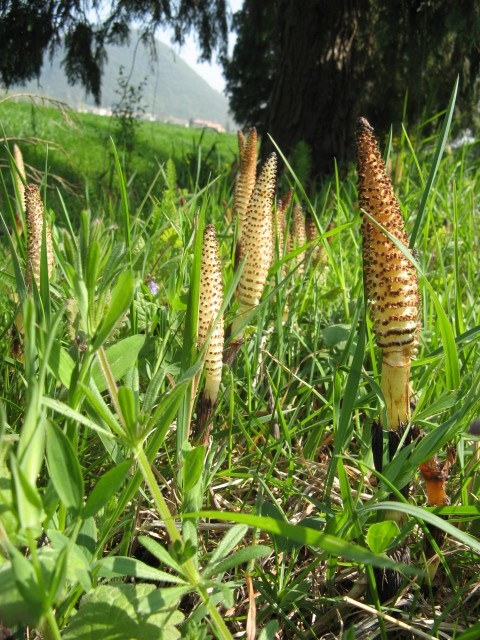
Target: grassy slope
x,y
308,377
81,153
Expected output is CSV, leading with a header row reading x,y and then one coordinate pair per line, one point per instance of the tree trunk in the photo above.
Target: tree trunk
x,y
314,96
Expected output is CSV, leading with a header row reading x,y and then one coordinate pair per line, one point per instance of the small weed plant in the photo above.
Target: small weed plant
x,y
117,518
127,111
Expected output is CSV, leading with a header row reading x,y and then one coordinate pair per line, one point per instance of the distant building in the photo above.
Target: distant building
x,y
178,121
198,123
98,111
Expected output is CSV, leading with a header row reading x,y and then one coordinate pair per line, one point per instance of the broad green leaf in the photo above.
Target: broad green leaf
x,y
126,400
105,488
122,296
269,631
381,535
31,446
242,556
64,410
425,516
161,598
445,402
58,575
87,539
121,357
116,612
167,407
78,565
81,296
193,463
230,540
64,468
115,566
7,509
103,411
27,499
61,364
15,608
124,194
93,261
25,579
153,390
158,426
335,334
160,553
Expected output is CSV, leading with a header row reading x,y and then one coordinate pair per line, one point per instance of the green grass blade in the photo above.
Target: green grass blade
x,y
19,279
309,537
442,141
122,296
124,200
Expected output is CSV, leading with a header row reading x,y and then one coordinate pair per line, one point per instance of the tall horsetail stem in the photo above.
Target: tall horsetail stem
x,y
391,284
257,241
245,181
35,217
391,291
211,300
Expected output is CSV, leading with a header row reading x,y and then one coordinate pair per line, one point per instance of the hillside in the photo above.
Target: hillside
x,y
173,90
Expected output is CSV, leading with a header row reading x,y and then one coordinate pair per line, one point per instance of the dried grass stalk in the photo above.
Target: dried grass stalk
x,y
20,180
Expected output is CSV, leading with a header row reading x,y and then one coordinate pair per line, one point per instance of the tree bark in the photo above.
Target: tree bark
x,y
314,94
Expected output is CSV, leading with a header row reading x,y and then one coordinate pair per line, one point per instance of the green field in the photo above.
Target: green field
x,y
111,521
75,153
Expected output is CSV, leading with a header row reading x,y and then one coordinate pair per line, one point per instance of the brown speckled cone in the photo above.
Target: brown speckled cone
x,y
390,279
210,302
35,216
257,237
211,299
246,177
391,284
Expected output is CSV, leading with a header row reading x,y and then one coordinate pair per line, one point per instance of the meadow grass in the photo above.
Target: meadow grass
x,y
111,522
80,160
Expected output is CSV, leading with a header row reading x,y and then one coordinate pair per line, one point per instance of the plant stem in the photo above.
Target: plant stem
x,y
52,631
191,572
158,499
110,382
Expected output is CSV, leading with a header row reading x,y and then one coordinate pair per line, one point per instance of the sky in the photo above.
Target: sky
x,y
210,72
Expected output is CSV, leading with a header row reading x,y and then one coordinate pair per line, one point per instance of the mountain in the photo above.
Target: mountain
x,y
173,90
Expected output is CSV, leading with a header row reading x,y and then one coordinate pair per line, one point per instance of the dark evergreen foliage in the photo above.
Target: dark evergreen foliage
x,y
29,30
302,72
305,71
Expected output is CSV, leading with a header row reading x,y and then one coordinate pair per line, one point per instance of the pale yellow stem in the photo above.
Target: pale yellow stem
x,y
395,387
